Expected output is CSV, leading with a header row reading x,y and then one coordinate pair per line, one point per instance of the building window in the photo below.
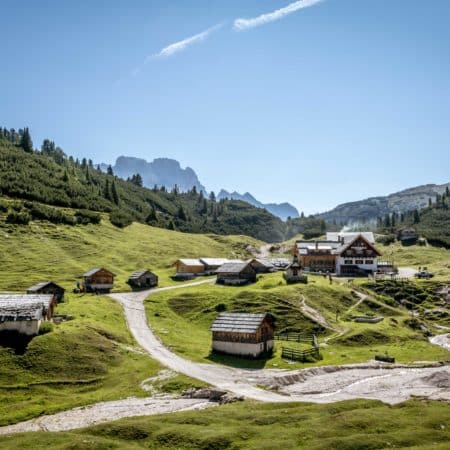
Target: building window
x,y
369,261
348,261
359,261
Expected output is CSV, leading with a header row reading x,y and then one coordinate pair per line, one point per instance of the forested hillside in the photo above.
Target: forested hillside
x,y
52,178
432,222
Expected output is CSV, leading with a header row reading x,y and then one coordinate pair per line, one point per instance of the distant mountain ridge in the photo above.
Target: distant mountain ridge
x,y
168,172
161,172
281,210
371,208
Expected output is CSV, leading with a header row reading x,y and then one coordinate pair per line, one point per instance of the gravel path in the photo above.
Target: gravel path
x,y
322,384
388,383
106,412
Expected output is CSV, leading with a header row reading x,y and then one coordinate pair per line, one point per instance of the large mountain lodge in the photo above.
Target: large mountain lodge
x,y
345,254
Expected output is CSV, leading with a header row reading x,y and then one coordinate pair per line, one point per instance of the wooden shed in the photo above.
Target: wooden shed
x,y
236,273
212,264
262,265
242,334
98,280
47,287
143,279
190,266
24,313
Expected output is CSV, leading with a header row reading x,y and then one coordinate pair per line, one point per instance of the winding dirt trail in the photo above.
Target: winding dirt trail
x,y
388,383
322,384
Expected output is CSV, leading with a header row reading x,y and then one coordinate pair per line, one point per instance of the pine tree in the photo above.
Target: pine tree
x,y
151,215
181,214
25,142
416,216
115,195
109,170
212,196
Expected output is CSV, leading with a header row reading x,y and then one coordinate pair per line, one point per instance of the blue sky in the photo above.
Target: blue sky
x,y
335,102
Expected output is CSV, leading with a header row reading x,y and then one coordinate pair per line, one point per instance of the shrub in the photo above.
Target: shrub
x,y
386,239
46,327
85,217
54,215
120,219
18,217
3,206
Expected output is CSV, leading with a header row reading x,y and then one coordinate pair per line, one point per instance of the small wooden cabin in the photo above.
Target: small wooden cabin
x,y
98,281
212,264
47,287
262,266
143,279
236,273
24,313
190,266
249,335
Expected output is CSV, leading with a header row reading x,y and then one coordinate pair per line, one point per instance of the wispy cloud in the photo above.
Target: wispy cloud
x,y
180,46
245,24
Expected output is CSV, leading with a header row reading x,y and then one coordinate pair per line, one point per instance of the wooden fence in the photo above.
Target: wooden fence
x,y
299,355
296,337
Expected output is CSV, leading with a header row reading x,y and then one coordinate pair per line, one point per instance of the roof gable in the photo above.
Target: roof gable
x,y
94,271
353,241
238,322
233,267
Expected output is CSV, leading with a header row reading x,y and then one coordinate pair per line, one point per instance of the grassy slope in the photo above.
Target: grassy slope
x,y
85,360
81,361
62,253
182,320
436,259
348,425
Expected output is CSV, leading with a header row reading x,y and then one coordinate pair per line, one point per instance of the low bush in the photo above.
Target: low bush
x,y
46,327
84,217
120,219
18,217
54,215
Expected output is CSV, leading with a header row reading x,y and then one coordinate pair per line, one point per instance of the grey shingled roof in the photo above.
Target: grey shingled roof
x,y
14,307
191,262
238,322
214,261
94,271
232,267
41,285
138,274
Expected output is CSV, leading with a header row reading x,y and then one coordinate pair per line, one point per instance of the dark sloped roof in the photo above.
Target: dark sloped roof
x,y
238,322
15,307
139,273
232,267
94,271
41,285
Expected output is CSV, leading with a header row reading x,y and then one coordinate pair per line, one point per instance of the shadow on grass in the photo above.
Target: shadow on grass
x,y
17,341
238,362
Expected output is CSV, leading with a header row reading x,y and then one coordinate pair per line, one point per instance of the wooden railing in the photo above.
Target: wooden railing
x,y
299,355
296,337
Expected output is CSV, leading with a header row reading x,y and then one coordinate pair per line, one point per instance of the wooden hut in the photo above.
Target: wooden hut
x,y
24,313
408,236
249,335
236,273
212,264
47,287
262,265
98,280
143,279
190,266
